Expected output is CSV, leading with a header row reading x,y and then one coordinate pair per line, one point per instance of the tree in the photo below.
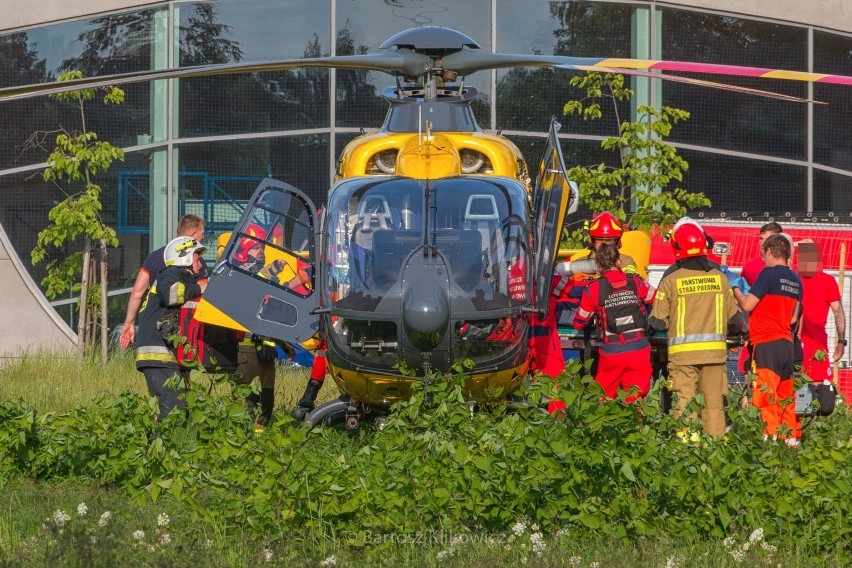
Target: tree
x,y
637,188
77,156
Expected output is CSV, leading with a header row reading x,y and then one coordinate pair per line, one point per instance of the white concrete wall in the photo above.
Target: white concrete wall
x,y
29,322
18,13
829,14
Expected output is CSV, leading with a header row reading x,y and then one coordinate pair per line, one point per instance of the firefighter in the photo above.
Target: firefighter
x,y
695,304
257,354
619,302
158,319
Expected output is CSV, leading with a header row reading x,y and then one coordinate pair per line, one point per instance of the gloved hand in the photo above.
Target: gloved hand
x,y
266,352
728,272
571,267
739,282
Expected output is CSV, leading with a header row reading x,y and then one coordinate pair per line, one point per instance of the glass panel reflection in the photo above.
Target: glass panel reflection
x,y
230,31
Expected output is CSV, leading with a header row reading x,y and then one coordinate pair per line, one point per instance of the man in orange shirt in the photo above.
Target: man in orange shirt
x,y
774,304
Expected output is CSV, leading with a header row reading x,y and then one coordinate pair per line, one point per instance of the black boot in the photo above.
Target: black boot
x,y
267,403
252,400
306,403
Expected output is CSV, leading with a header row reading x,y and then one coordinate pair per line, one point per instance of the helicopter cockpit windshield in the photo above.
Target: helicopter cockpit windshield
x,y
476,225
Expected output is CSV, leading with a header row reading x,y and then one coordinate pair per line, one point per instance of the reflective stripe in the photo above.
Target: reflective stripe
x,y
177,294
563,282
625,347
155,353
720,314
152,349
698,346
583,314
156,357
680,324
697,338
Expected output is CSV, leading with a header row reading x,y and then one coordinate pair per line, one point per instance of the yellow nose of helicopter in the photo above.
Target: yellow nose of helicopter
x,y
428,157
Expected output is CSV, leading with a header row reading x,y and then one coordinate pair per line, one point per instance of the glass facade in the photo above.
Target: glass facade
x,y
203,145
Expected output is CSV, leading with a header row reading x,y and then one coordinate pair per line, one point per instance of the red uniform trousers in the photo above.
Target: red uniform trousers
x,y
816,371
626,371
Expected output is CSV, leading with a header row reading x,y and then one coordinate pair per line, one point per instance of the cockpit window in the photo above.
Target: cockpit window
x,y
474,229
275,242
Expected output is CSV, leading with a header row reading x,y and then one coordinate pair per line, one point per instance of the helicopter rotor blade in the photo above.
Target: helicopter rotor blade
x,y
703,83
410,63
467,61
402,62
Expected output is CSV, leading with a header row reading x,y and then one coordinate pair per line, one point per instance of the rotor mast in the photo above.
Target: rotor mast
x,y
435,43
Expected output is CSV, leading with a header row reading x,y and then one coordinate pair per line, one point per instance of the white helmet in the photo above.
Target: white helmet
x,y
180,251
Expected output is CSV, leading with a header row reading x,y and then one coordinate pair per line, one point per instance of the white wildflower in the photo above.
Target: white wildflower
x,y
770,548
267,555
746,546
519,528
163,520
534,528
60,517
574,561
756,536
729,542
443,554
737,555
82,509
595,565
537,542
93,538
671,562
138,535
165,538
209,544
105,517
330,561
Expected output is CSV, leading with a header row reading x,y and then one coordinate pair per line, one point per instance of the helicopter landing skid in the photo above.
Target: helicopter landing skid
x,y
341,411
331,412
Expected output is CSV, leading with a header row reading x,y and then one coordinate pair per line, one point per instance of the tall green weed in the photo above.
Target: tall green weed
x,y
600,468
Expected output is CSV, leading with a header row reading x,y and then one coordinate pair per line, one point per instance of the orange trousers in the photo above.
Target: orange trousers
x,y
772,388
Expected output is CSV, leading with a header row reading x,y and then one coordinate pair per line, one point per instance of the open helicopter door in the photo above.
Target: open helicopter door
x,y
554,197
263,282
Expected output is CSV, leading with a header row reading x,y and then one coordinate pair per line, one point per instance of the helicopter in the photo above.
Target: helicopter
x,y
434,246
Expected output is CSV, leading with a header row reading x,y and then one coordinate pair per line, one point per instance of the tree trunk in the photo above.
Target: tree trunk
x,y
84,305
104,328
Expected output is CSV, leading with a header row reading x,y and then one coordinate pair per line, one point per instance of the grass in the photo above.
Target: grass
x,y
31,536
53,382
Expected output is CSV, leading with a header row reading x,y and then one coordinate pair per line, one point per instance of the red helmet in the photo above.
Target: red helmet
x,y
606,226
246,243
689,240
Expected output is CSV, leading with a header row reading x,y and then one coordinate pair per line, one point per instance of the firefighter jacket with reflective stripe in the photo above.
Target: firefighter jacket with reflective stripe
x,y
174,286
696,307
